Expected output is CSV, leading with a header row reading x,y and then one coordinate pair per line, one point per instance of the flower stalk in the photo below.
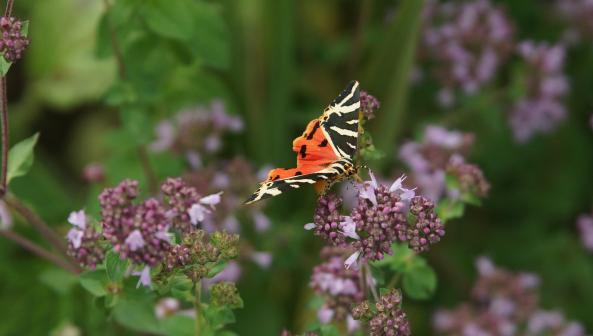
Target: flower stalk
x,y
197,307
39,251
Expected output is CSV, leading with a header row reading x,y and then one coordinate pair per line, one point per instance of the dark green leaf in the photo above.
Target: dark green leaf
x,y
20,158
4,66
420,281
58,280
137,314
448,209
218,317
95,282
217,268
178,325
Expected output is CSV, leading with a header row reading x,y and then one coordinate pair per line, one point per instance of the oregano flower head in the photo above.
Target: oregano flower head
x,y
12,42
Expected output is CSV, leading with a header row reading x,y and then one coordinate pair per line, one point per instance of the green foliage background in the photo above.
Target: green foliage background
x,y
277,63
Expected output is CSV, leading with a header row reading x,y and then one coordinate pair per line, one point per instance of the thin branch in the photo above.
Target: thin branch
x,y
39,251
41,226
119,56
121,67
8,10
5,139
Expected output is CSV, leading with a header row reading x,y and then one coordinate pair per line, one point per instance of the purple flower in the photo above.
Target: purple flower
x,y
231,273
144,279
135,240
379,213
578,15
325,314
94,173
134,230
429,160
180,197
74,236
339,287
84,243
12,42
368,104
503,303
198,211
466,42
263,259
262,222
542,106
387,318
197,131
427,229
165,132
327,219
78,219
166,307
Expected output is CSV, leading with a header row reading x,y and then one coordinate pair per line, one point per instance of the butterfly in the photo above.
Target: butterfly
x,y
325,151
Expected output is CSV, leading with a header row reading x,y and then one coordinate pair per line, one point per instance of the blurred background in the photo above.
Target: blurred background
x,y
215,91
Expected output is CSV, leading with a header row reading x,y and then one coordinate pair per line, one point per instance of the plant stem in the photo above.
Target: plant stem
x,y
121,68
40,225
4,122
197,306
367,272
394,280
39,251
8,10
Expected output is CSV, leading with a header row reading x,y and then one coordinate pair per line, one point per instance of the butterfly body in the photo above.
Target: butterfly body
x,y
325,150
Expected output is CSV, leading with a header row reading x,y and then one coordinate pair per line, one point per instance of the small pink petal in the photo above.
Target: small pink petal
x,y
144,277
351,260
263,259
74,236
211,199
77,218
310,226
135,240
325,314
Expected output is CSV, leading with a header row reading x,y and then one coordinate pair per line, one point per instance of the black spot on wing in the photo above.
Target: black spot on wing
x,y
303,151
298,173
315,128
323,143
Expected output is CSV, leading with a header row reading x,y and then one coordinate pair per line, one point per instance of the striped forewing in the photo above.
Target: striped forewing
x,y
335,171
340,121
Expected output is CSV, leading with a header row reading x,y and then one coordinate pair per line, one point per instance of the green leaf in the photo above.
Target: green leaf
x,y
178,325
198,25
218,317
448,209
420,281
137,314
20,158
401,257
115,266
217,268
58,280
4,66
329,330
25,27
95,282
